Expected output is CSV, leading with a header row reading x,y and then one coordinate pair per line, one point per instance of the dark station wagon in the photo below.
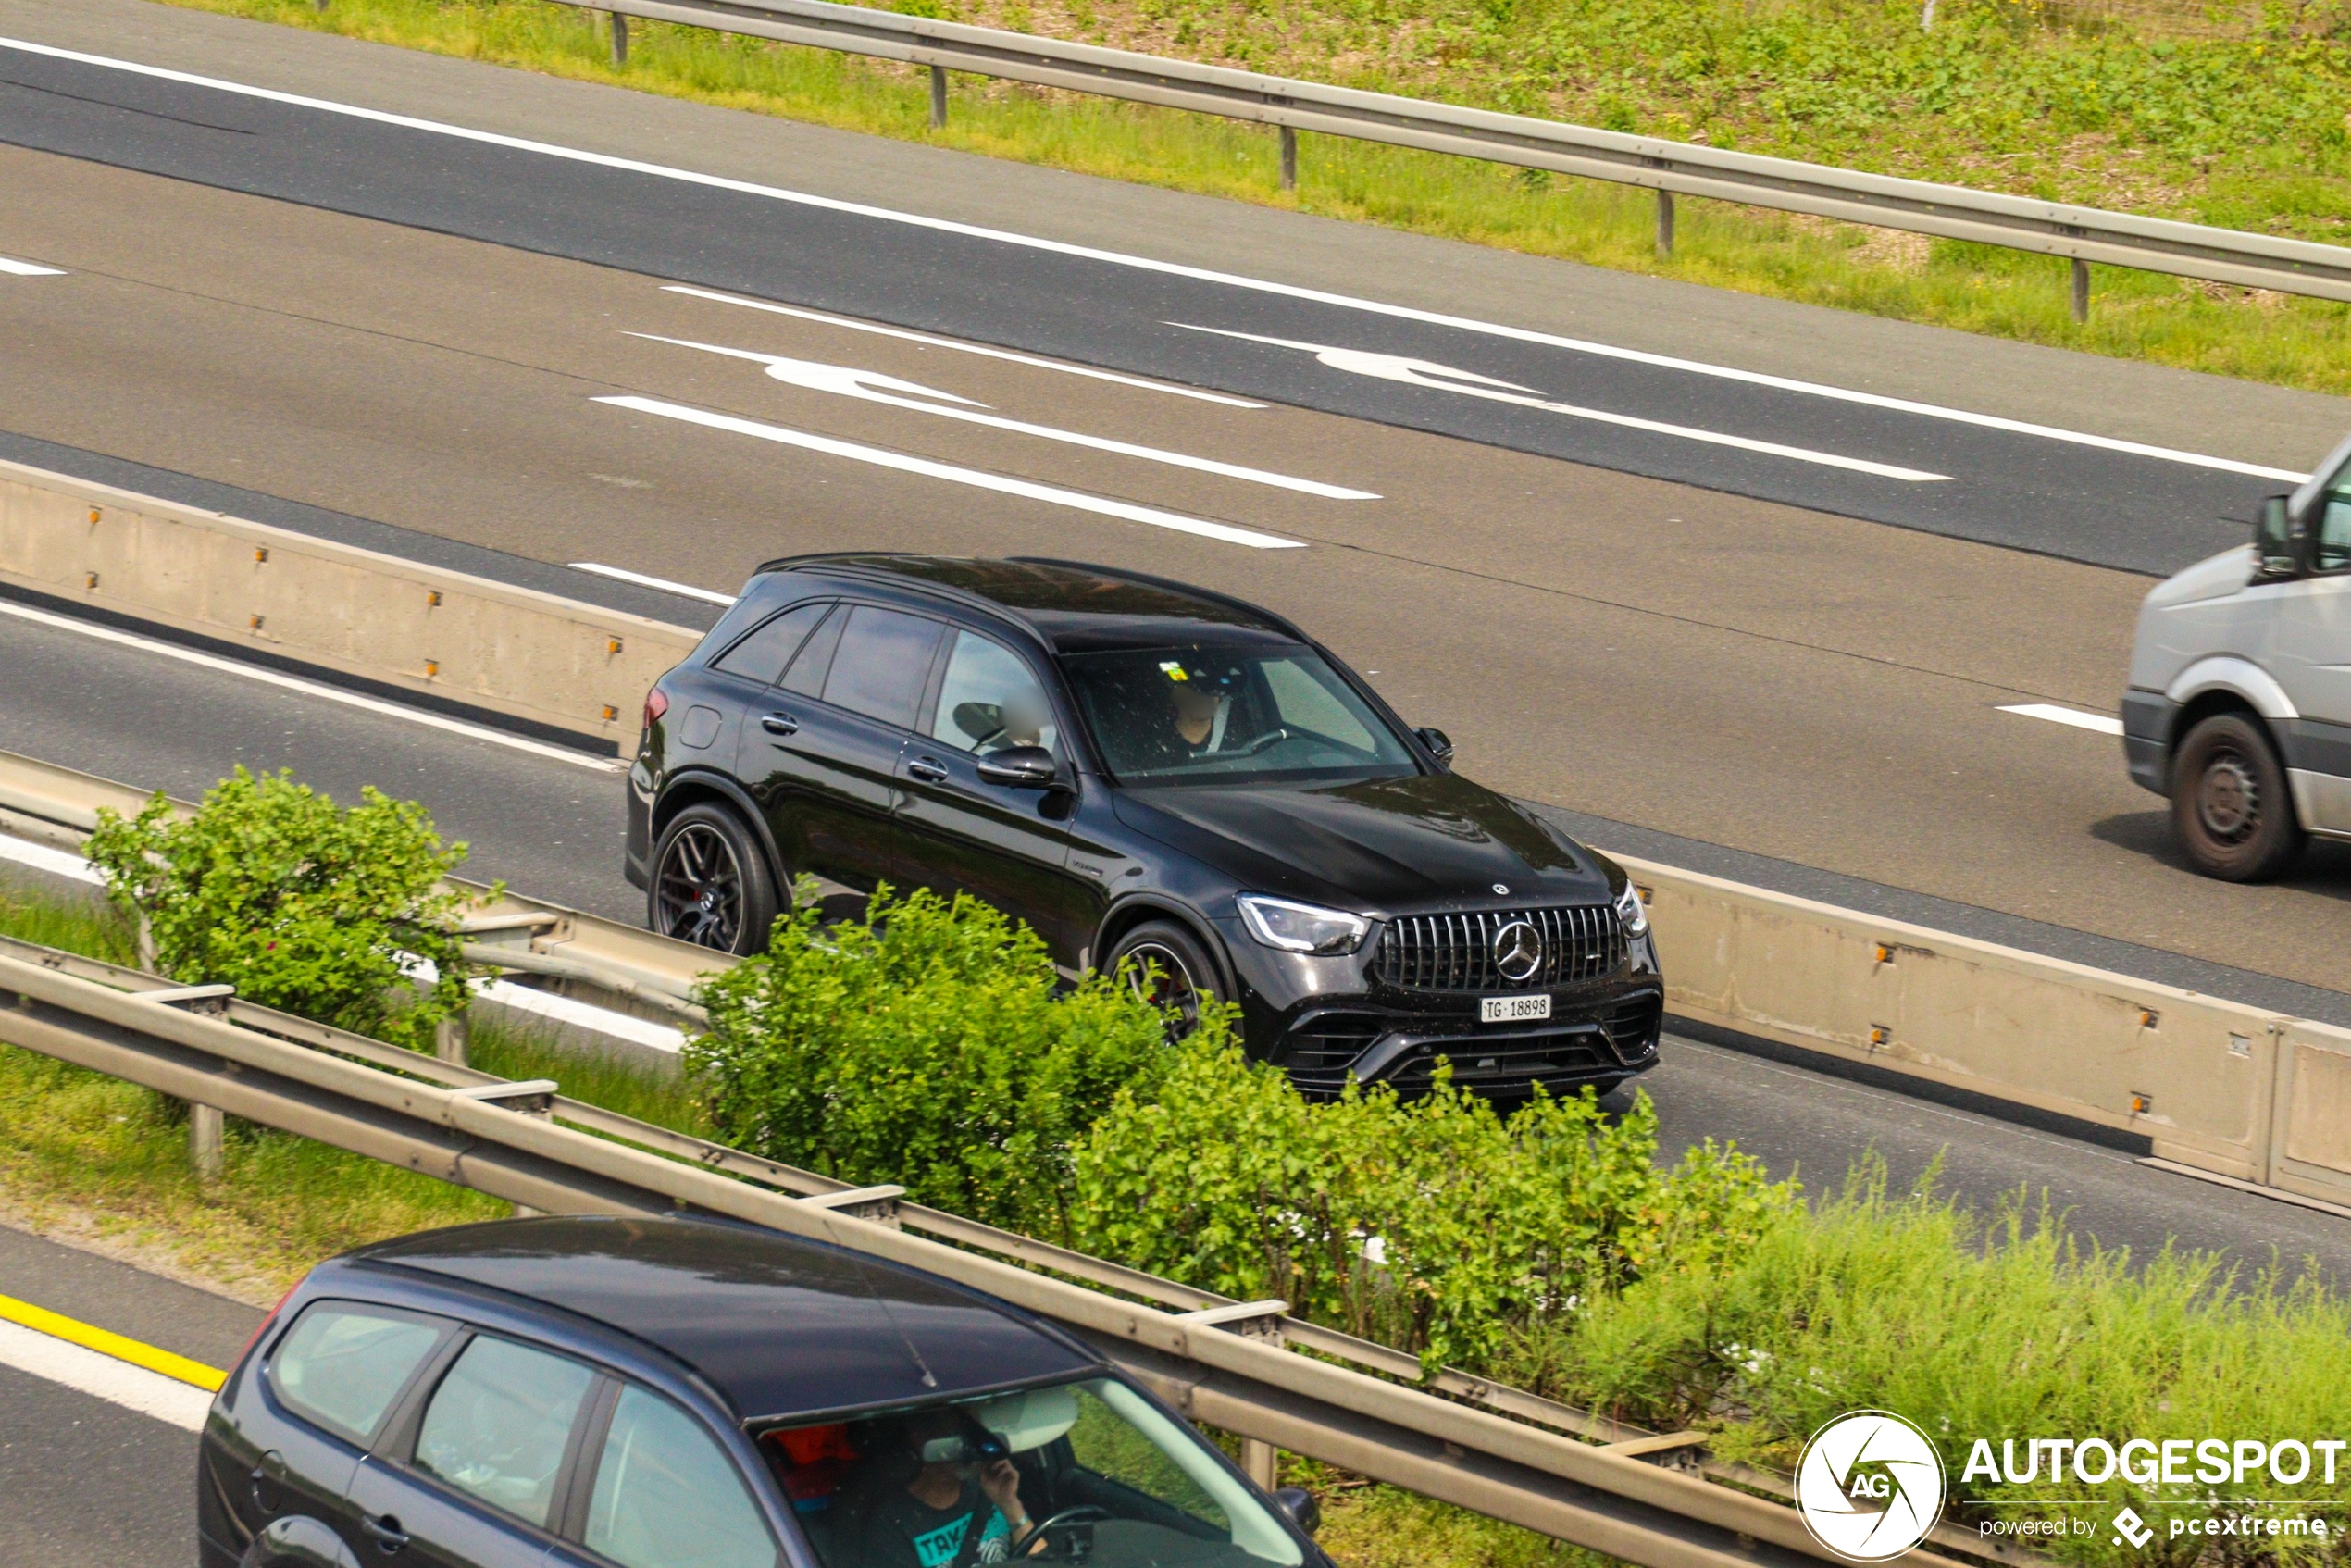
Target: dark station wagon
x,y
684,1393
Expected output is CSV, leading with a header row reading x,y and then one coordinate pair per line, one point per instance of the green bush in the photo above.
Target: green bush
x,y
1435,1223
926,1047
301,905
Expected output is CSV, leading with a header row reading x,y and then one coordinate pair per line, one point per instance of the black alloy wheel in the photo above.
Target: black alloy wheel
x,y
2230,804
711,885
1166,968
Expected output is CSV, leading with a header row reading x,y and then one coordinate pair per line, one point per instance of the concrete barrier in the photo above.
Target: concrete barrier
x,y
396,622
2310,1123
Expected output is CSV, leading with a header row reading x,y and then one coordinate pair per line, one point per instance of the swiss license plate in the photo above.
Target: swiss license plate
x,y
1513,1009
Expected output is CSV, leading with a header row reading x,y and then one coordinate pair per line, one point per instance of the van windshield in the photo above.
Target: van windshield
x,y
1088,1471
1202,713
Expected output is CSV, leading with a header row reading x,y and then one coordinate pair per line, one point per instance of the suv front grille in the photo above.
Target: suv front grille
x,y
1505,1063
1455,953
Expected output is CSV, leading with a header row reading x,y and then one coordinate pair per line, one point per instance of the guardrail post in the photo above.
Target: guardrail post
x,y
1664,222
2081,289
939,97
1289,159
619,38
450,1037
207,1130
1257,1463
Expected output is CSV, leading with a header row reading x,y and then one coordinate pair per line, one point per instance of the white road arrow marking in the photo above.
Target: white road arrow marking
x,y
979,479
871,386
1469,384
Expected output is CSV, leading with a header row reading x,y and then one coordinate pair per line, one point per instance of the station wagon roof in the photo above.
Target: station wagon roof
x,y
781,1327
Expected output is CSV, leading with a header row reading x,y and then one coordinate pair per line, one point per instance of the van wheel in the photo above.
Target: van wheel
x,y
1165,966
2230,804
711,885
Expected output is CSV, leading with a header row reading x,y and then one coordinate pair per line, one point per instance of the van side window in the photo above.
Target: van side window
x,y
2331,551
343,1364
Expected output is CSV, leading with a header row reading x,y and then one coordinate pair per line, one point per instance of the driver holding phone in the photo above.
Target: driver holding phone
x,y
960,1508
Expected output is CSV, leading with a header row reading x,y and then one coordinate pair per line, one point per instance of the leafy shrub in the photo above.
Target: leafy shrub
x,y
1435,1223
299,904
926,1047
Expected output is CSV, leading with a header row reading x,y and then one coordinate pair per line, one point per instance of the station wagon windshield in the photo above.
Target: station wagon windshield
x,y
1086,1470
1202,714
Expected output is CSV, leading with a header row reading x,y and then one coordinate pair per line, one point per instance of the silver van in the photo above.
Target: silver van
x,y
2239,707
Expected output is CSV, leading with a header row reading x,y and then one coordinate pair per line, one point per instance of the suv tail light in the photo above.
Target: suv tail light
x,y
656,705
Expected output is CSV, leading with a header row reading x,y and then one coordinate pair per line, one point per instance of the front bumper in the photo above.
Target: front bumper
x,y
1326,1020
2147,738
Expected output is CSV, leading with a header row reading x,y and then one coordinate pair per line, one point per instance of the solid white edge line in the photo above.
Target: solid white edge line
x,y
101,1376
683,590
16,268
312,688
1175,270
2104,723
581,1015
977,479
914,337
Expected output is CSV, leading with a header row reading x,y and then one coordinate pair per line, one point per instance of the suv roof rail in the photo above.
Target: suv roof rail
x,y
1279,623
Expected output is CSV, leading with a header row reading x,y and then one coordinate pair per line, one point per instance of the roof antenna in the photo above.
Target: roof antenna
x,y
858,1261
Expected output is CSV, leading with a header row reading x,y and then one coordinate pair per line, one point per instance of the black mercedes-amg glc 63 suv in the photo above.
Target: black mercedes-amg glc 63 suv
x,y
1163,782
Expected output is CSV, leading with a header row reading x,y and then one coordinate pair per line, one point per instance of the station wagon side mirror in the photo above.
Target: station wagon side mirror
x,y
1300,1504
1018,767
1439,744
2277,551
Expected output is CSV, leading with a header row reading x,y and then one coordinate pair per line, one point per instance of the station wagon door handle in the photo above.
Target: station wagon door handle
x,y
386,1531
780,724
931,770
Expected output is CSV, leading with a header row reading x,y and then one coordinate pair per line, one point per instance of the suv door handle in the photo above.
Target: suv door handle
x,y
780,724
931,770
386,1531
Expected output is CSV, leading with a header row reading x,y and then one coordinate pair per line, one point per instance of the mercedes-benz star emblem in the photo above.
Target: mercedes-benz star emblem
x,y
1518,950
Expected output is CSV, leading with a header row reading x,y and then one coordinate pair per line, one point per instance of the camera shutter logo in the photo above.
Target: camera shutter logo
x,y
1869,1486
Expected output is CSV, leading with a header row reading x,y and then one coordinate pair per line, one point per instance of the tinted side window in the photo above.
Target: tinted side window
x,y
666,1495
2334,544
806,674
498,1424
882,665
763,654
989,701
343,1364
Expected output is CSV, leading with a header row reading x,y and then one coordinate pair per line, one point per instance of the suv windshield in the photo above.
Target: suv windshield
x,y
1084,1471
1202,713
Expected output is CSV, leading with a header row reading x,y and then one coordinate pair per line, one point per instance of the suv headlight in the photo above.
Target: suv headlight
x,y
1629,912
1301,927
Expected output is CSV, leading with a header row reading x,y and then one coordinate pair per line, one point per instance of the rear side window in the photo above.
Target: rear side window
x,y
343,1364
806,673
666,1497
882,665
498,1422
763,654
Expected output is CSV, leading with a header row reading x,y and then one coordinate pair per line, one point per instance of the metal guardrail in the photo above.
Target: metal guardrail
x,y
2081,234
1228,1365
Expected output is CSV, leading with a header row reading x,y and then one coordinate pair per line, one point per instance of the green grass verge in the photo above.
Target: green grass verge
x,y
2245,132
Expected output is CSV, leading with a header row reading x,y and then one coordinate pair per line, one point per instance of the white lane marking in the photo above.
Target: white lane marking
x,y
2104,723
871,386
960,347
972,477
1469,384
314,688
44,858
683,590
1170,268
561,1009
102,1377
16,268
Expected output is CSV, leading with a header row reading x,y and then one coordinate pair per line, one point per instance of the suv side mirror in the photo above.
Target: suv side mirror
x,y
1439,744
1300,1504
1018,767
2276,543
